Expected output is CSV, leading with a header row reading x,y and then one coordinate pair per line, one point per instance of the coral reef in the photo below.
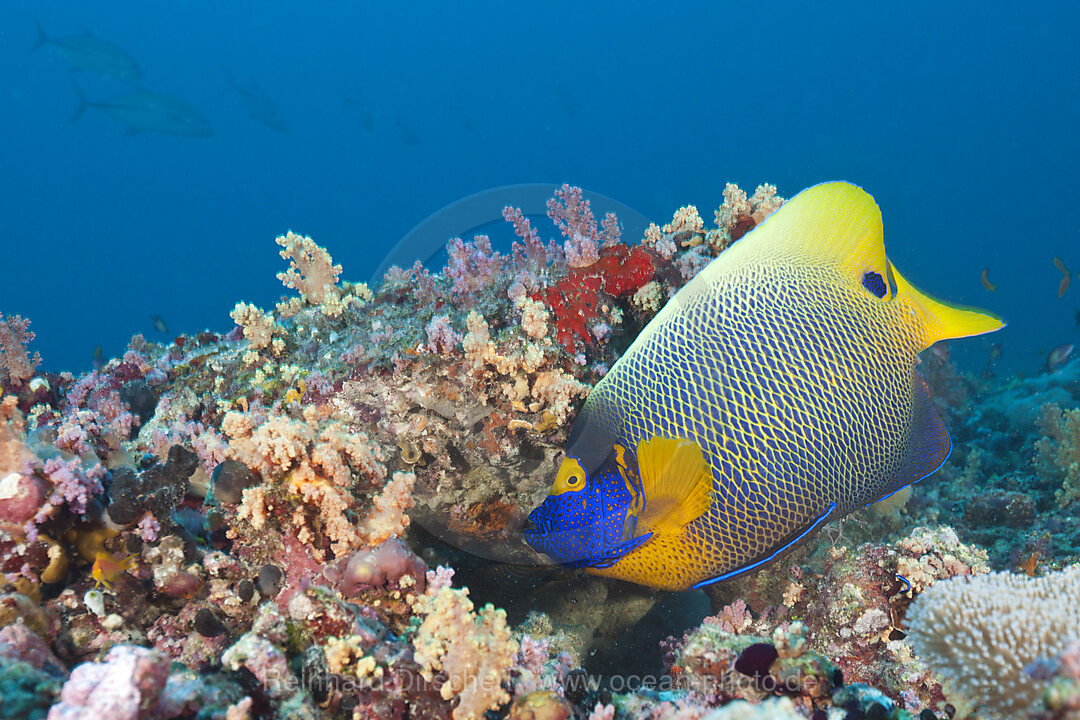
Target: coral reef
x,y
262,523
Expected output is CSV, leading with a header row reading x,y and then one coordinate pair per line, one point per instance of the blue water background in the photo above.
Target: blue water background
x,y
960,118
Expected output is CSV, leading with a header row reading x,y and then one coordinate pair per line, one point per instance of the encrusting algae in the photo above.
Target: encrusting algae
x,y
262,523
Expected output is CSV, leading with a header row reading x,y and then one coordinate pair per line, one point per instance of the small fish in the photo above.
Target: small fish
x,y
98,361
1059,356
360,110
149,112
775,392
260,106
460,115
86,52
1066,279
986,281
406,131
108,567
159,324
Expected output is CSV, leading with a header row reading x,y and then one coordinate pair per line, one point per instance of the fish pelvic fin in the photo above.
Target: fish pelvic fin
x,y
676,483
610,557
939,320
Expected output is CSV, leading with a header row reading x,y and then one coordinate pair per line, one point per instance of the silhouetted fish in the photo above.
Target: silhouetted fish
x,y
86,52
986,281
406,132
1063,286
149,112
360,109
159,324
260,106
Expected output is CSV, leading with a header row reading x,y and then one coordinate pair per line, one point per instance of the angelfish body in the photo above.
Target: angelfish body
x,y
775,392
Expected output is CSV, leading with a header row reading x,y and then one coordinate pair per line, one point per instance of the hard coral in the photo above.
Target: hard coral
x,y
983,633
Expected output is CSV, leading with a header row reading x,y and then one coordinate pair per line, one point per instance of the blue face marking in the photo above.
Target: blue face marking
x,y
586,527
873,282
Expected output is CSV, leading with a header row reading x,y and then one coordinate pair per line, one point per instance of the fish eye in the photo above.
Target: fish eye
x,y
573,480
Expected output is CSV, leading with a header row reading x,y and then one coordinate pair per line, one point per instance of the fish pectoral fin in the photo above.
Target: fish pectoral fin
x,y
676,483
941,321
612,556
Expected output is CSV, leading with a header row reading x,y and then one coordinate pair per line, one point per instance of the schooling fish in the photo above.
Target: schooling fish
x,y
149,112
86,52
775,392
987,285
260,106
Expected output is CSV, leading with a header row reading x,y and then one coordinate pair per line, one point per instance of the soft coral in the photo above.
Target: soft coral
x,y
575,299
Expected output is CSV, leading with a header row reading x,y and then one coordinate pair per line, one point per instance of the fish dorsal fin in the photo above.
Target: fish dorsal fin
x,y
676,483
941,321
834,224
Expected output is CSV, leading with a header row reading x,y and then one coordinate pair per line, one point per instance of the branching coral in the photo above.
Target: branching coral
x,y
982,633
15,359
739,214
1057,455
472,266
258,325
314,275
315,465
473,651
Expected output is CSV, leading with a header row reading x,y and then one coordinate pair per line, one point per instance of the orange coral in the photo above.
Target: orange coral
x,y
311,272
473,651
319,466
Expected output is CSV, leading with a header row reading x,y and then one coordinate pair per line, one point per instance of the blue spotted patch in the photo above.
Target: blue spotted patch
x,y
873,282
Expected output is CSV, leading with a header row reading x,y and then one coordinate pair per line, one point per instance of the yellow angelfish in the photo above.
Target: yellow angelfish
x,y
773,393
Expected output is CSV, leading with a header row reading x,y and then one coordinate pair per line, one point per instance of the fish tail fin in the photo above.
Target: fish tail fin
x,y
83,102
42,38
942,321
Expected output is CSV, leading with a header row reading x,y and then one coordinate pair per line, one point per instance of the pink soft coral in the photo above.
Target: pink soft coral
x,y
15,334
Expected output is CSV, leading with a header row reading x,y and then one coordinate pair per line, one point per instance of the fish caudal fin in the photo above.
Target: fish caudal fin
x,y
941,321
83,102
675,481
42,38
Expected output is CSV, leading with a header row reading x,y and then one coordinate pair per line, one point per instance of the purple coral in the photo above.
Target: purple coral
x,y
441,337
15,335
72,483
472,265
573,215
125,686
